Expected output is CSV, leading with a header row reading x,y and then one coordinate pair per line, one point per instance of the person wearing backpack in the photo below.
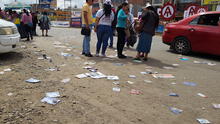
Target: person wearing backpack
x,y
44,23
103,29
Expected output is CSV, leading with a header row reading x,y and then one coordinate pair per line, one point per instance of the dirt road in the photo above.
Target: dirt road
x,y
92,101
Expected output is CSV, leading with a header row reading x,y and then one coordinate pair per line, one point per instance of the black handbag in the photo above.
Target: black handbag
x,y
86,31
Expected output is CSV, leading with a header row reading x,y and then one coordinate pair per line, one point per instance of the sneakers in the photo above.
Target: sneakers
x,y
122,56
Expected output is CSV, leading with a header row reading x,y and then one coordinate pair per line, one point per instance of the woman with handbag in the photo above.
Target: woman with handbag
x,y
146,28
104,18
26,20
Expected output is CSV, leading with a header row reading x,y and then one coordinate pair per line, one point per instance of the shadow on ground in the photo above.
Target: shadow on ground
x,y
10,58
200,55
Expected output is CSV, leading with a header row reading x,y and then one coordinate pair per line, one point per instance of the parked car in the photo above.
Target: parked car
x,y
9,36
198,33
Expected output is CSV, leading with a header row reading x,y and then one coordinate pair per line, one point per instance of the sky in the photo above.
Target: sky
x,y
60,3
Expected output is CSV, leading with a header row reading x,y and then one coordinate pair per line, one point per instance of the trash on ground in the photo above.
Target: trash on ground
x,y
57,43
165,76
204,62
112,77
32,80
68,50
132,76
116,89
87,67
52,69
7,70
59,46
116,83
173,83
118,64
53,94
143,73
175,65
137,61
192,84
2,72
184,59
95,75
66,54
202,95
203,121
149,67
10,94
89,63
66,80
216,106
211,64
136,92
168,68
130,82
50,100
174,94
147,81
175,110
112,56
23,47
80,76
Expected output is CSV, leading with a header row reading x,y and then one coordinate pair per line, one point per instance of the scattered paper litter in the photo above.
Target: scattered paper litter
x,y
202,95
87,67
68,50
137,61
184,59
116,89
216,106
203,121
2,72
80,76
49,100
112,77
7,70
147,81
57,43
132,76
211,64
32,80
136,92
89,63
53,94
66,80
10,94
118,64
130,82
149,67
40,58
58,46
51,69
175,64
192,84
175,110
173,83
143,73
168,68
96,75
174,94
23,46
116,83
66,54
166,76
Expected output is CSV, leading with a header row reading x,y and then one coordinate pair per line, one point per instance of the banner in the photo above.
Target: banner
x,y
205,2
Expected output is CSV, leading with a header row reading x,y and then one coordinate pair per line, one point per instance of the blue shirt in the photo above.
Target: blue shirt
x,y
121,19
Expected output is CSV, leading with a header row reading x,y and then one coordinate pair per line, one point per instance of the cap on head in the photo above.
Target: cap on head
x,y
147,5
109,2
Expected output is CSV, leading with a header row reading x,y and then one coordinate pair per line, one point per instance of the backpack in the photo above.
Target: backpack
x,y
114,22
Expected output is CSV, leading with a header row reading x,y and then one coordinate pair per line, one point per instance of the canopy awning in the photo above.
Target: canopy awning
x,y
17,5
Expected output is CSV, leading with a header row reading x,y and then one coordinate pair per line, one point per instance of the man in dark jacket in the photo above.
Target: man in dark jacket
x,y
35,22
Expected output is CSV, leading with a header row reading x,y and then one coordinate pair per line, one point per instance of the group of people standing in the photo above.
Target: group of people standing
x,y
123,19
27,22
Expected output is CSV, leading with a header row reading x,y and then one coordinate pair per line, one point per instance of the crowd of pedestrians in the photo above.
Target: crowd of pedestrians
x,y
27,22
128,29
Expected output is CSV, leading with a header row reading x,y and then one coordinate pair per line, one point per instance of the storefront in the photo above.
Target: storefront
x,y
213,5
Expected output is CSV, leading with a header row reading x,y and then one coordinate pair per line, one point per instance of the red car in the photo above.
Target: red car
x,y
198,33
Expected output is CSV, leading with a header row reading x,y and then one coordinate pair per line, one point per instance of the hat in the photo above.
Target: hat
x,y
147,5
109,2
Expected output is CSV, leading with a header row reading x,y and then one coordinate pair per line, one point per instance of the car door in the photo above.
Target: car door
x,y
204,34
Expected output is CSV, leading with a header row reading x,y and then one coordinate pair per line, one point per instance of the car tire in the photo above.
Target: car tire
x,y
181,45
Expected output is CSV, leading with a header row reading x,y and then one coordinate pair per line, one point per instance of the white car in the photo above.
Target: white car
x,y
9,36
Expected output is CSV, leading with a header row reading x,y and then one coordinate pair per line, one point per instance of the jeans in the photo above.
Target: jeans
x,y
121,40
111,37
103,34
86,42
28,30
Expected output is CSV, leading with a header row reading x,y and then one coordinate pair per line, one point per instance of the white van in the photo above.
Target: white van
x,y
9,36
